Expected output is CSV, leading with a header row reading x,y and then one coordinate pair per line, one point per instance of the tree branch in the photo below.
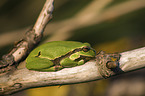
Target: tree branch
x,y
24,78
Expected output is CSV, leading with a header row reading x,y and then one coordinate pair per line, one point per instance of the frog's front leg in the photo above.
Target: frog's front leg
x,y
67,62
39,64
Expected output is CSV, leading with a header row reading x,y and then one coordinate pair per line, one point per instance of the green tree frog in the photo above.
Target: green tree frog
x,y
56,55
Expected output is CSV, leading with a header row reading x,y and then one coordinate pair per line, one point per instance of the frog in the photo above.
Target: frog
x,y
56,55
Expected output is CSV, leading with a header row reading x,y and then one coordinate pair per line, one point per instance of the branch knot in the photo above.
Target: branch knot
x,y
108,63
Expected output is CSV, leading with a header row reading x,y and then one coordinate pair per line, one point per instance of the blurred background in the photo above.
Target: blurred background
x,y
108,25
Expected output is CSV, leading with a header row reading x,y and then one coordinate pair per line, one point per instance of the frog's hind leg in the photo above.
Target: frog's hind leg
x,y
36,63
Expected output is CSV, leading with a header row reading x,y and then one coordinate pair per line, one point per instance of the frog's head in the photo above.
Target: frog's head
x,y
79,56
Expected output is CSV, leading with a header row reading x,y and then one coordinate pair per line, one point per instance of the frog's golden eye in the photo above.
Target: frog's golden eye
x,y
86,48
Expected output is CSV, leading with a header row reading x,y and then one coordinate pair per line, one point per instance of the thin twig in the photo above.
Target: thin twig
x,y
31,39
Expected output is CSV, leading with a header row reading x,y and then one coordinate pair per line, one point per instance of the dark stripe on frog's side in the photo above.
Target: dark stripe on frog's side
x,y
57,60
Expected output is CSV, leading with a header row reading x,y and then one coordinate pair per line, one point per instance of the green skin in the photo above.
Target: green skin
x,y
56,55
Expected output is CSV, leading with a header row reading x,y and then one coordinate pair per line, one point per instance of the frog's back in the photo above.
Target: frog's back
x,y
55,49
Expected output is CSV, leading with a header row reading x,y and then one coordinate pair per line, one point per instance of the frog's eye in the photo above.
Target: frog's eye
x,y
86,48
